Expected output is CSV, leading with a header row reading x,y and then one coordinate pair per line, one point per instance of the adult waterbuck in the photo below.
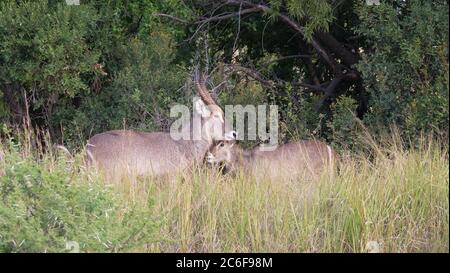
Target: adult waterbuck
x,y
300,159
125,152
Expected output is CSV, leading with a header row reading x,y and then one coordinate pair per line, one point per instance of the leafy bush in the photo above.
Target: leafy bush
x,y
108,65
47,206
344,125
45,55
138,95
405,66
87,68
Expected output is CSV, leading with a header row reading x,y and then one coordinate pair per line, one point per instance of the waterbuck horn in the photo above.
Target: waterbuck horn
x,y
203,91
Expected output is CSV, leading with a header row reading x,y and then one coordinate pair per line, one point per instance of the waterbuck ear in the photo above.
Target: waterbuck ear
x,y
201,108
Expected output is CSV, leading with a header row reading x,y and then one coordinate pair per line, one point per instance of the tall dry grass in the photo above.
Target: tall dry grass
x,y
390,199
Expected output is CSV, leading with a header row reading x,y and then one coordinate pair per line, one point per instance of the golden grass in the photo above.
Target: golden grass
x,y
396,201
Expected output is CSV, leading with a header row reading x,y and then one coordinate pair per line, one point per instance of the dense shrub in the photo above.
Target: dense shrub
x,y
137,96
48,205
108,65
344,126
405,65
45,56
87,68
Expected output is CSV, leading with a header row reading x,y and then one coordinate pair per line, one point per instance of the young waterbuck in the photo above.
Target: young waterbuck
x,y
124,152
305,159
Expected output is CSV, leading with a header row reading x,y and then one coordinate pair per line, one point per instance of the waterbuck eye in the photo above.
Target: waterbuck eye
x,y
221,144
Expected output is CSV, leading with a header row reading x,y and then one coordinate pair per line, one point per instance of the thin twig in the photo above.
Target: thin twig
x,y
171,17
286,58
239,28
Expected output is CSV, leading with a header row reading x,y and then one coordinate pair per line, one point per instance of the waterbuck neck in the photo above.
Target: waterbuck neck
x,y
199,140
238,158
201,148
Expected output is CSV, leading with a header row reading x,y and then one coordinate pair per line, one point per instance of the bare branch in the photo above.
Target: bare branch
x,y
315,87
348,57
239,29
255,8
256,75
329,92
286,58
227,15
251,73
171,17
292,24
217,87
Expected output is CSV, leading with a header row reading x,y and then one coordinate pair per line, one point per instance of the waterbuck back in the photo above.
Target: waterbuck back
x,y
121,153
305,159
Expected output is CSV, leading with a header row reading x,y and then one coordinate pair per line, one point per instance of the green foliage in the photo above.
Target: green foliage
x,y
300,118
405,65
46,206
403,50
139,94
111,64
44,51
315,14
344,125
396,198
89,68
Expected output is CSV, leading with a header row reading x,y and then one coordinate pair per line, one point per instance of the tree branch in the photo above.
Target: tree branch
x,y
329,92
254,8
348,58
251,73
315,87
256,75
171,17
226,16
293,25
333,49
282,58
